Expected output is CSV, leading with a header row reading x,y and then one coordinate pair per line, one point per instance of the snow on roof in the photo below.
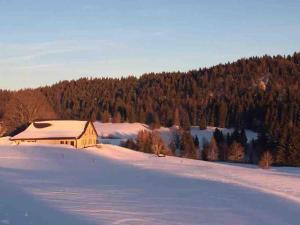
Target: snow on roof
x,y
53,129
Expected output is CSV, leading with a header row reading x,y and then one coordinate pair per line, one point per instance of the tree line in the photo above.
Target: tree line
x,y
232,147
258,93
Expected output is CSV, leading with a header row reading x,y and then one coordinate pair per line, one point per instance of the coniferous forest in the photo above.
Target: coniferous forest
x,y
259,93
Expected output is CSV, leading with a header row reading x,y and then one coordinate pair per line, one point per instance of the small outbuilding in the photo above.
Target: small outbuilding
x,y
79,134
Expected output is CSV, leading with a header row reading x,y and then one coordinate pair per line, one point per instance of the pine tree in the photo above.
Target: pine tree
x,y
293,148
117,117
228,139
105,117
187,146
156,122
281,152
93,116
150,118
243,138
219,137
236,136
131,117
222,114
196,142
176,118
202,124
186,125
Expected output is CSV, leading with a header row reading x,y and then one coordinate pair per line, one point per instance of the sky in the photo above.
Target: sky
x,y
43,42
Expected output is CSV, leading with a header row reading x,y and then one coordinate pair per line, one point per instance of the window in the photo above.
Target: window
x,y
72,143
62,142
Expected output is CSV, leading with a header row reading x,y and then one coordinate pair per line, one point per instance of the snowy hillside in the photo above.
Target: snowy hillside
x,y
208,133
119,130
114,133
166,133
112,185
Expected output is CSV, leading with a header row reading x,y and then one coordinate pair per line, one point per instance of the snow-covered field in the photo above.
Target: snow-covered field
x,y
42,185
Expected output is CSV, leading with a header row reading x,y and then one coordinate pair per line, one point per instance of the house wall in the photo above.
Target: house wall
x,y
89,138
50,141
59,141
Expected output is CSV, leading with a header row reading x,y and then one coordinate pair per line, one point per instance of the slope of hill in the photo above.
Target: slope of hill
x,y
112,185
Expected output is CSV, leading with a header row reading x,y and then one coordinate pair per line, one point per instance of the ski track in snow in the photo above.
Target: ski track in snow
x,y
43,185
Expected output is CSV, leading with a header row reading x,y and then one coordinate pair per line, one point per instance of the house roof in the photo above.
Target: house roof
x,y
53,129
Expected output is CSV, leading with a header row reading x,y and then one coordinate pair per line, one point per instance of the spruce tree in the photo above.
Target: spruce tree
x,y
293,148
196,142
202,124
222,114
186,125
281,152
243,138
117,117
105,117
176,118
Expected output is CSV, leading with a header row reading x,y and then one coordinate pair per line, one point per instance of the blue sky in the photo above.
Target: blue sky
x,y
42,42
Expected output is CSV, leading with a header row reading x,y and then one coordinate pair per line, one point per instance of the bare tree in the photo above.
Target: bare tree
x,y
158,146
236,152
266,160
25,107
213,150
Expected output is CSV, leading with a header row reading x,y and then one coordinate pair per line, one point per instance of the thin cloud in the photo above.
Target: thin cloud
x,y
25,53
